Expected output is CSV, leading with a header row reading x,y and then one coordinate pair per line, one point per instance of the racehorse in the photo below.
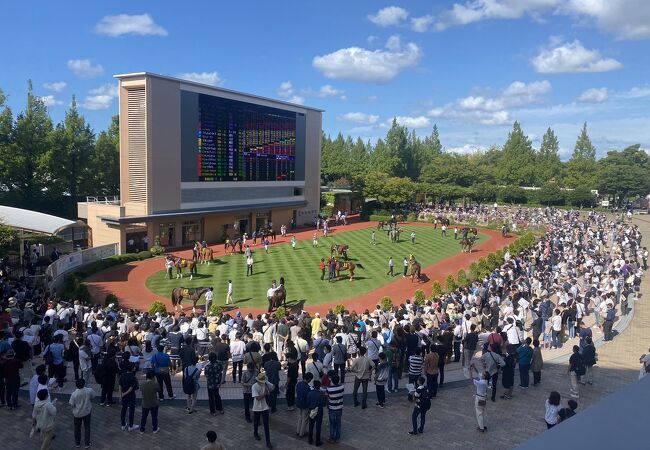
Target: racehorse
x,y
340,249
280,296
380,225
234,245
179,263
205,253
345,265
467,230
194,294
416,270
268,232
442,220
466,244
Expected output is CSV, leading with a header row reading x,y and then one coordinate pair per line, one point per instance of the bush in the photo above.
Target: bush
x,y
492,261
157,307
111,298
280,312
70,285
450,284
103,264
462,278
216,310
144,255
386,304
473,271
377,218
411,217
339,309
419,297
436,290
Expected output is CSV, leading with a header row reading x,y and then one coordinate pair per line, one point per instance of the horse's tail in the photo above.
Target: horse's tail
x,y
360,266
174,297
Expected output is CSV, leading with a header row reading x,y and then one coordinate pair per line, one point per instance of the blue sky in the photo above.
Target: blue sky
x,y
470,67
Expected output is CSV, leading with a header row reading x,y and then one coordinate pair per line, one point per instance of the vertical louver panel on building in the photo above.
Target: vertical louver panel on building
x,y
137,136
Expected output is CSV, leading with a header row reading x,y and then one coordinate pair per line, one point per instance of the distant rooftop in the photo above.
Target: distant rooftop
x,y
32,221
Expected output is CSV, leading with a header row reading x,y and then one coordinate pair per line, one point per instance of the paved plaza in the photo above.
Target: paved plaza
x,y
450,422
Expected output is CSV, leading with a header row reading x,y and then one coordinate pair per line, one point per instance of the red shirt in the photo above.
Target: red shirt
x,y
11,369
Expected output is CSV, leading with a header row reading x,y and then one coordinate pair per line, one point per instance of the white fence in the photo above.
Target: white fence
x,y
75,260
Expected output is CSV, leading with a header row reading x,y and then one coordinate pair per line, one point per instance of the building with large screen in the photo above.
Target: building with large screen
x,y
201,162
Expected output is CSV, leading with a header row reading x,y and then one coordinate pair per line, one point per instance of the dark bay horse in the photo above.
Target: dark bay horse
x,y
234,245
340,249
280,296
416,270
179,263
194,294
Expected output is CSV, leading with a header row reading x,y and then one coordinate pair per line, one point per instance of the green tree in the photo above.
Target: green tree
x,y
625,174
517,163
390,156
550,195
548,159
106,160
581,168
68,159
31,137
581,197
8,237
7,147
584,149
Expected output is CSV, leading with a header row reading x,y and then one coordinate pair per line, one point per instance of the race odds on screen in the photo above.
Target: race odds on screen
x,y
240,141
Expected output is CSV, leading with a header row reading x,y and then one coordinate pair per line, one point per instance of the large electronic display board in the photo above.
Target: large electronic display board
x,y
238,141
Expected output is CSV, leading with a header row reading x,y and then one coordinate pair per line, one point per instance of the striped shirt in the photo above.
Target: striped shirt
x,y
335,396
415,365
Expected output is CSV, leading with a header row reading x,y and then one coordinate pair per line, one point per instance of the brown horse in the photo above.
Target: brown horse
x,y
206,254
416,270
340,249
194,294
280,296
234,245
345,265
179,263
268,233
466,244
380,225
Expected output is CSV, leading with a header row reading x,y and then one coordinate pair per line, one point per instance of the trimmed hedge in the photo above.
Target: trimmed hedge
x,y
377,218
100,265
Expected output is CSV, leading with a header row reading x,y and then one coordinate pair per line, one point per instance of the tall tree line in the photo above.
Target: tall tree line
x,y
404,159
49,168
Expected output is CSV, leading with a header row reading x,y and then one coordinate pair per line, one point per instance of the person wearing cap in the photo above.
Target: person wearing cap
x,y
260,391
11,370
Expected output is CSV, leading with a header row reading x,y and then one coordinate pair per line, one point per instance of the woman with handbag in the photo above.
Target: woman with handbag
x,y
480,398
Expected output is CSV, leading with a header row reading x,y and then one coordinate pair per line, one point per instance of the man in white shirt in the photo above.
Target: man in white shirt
x,y
229,293
209,296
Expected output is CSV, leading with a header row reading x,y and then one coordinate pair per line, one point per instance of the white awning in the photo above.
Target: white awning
x,y
24,219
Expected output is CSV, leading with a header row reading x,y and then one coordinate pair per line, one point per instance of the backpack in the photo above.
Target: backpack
x,y
188,382
580,367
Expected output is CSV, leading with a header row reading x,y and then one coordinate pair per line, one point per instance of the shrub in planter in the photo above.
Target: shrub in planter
x,y
419,297
280,312
157,307
411,217
111,298
462,278
386,303
450,284
216,310
145,255
473,272
436,289
82,294
339,309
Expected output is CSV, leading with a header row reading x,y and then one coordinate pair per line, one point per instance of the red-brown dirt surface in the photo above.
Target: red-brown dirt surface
x,y
127,282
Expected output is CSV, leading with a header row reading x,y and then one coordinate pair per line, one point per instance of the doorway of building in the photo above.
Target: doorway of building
x,y
243,226
166,232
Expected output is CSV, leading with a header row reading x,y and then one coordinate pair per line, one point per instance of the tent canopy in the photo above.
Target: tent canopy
x,y
36,222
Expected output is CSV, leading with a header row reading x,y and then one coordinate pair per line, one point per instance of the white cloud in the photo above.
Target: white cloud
x,y
84,68
389,16
49,100
572,58
372,40
628,19
594,95
478,10
142,25
211,78
394,43
57,86
421,24
368,66
636,92
360,118
101,97
287,92
413,122
466,149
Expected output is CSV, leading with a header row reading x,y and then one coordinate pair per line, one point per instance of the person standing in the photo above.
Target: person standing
x,y
160,363
292,375
382,372
106,374
213,372
480,398
430,368
169,266
589,357
373,238
422,405
294,242
339,356
322,269
247,382
229,293
470,343
249,266
315,403
525,356
150,391
362,368
191,374
260,392
492,361
609,323
455,233
537,363
406,267
576,370
302,391
444,230
11,371
43,418
314,240
266,245
81,402
335,408
391,266
209,296
413,237
127,388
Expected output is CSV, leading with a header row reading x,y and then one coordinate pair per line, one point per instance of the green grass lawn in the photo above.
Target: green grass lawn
x,y
300,268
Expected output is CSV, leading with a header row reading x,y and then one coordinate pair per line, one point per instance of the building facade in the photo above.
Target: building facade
x,y
199,162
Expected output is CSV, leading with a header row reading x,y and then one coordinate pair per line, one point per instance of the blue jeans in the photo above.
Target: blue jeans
x,y
393,379
335,424
128,403
572,329
524,375
555,339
